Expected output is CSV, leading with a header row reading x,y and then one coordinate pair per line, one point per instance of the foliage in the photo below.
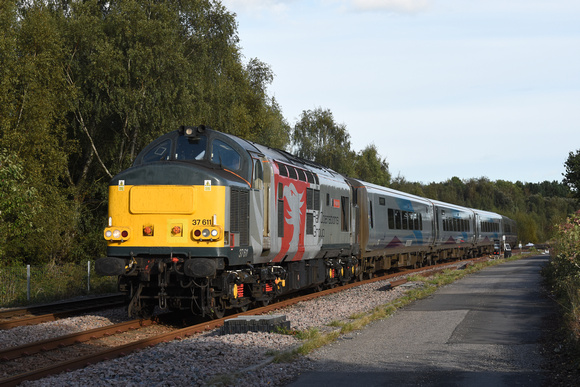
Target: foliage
x,y
18,204
317,137
572,175
563,272
370,167
33,134
85,85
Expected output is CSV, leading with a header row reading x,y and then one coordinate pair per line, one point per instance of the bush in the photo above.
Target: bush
x,y
563,272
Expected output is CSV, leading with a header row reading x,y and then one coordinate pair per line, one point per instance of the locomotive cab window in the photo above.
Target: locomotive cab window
x,y
159,153
224,155
190,149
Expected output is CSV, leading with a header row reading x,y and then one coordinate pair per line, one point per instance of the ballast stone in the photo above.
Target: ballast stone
x,y
264,323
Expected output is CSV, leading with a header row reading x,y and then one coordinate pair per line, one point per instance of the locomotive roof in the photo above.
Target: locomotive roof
x,y
280,155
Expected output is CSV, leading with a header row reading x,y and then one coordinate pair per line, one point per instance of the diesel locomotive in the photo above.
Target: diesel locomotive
x,y
205,221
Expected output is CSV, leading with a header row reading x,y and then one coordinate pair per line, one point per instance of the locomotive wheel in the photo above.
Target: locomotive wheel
x,y
218,309
263,302
146,310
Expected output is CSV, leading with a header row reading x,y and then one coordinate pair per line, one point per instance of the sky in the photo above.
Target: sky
x,y
442,88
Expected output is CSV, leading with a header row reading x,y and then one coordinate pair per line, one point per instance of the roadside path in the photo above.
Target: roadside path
x,y
483,330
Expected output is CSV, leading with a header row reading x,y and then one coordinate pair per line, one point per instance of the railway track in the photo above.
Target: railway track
x,y
110,351
50,312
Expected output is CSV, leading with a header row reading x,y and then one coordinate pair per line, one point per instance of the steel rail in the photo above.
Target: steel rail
x,y
179,334
38,314
71,339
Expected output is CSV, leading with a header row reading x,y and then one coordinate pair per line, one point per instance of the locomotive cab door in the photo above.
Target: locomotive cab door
x,y
262,181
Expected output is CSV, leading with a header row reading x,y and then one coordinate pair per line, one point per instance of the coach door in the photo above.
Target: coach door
x,y
262,181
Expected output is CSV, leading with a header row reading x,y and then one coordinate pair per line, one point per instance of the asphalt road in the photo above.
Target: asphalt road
x,y
482,330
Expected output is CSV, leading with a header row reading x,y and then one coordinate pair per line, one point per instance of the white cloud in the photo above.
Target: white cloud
x,y
399,6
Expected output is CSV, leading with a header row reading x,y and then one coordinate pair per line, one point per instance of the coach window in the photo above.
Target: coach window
x,y
391,218
405,220
371,213
398,219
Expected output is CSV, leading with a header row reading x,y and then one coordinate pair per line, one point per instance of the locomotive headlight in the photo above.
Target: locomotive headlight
x,y
211,234
117,234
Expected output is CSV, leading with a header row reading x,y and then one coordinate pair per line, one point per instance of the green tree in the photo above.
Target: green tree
x,y
370,167
401,184
19,204
33,130
84,85
317,137
572,175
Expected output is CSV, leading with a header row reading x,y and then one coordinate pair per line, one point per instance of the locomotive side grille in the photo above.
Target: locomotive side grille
x,y
281,218
309,223
317,200
309,198
239,215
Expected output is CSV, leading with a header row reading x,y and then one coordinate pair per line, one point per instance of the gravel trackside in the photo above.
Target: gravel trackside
x,y
211,359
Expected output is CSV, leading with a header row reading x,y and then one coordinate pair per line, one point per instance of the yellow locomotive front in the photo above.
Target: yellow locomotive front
x,y
177,218
174,216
